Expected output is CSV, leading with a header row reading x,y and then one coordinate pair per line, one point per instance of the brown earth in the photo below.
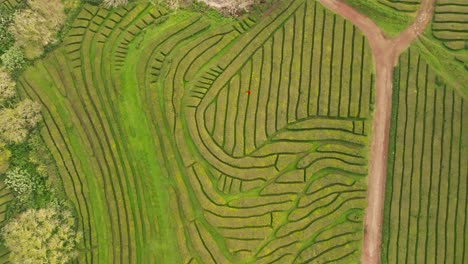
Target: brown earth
x,y
385,53
220,4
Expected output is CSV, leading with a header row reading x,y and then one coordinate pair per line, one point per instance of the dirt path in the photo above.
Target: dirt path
x,y
385,53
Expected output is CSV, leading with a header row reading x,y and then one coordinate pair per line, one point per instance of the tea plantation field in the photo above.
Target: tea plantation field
x,y
426,210
166,155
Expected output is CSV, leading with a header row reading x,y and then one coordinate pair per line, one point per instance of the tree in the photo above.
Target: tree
x,y
12,129
51,10
114,3
30,112
42,236
13,59
7,86
36,27
21,183
16,123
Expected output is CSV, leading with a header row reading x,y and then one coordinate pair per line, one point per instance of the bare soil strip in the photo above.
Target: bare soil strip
x,y
385,53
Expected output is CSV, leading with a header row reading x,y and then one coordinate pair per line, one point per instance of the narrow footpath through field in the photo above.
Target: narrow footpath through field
x,y
385,53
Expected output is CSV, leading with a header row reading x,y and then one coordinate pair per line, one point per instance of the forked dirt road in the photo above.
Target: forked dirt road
x,y
386,52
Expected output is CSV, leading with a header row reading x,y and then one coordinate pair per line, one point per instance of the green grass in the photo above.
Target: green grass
x,y
165,156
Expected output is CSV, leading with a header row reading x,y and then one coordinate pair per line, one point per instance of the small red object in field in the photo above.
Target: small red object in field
x,y
248,91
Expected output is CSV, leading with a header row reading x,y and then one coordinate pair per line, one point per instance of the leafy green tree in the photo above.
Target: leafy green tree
x,y
51,10
13,59
35,27
42,236
29,112
7,86
16,123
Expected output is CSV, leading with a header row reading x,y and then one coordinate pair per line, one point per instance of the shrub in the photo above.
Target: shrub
x,y
21,183
7,86
13,59
114,3
42,236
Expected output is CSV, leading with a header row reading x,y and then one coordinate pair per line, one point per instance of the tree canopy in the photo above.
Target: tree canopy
x,y
17,122
42,236
7,86
36,26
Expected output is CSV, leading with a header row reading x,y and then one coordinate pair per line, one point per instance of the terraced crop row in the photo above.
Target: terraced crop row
x,y
451,24
409,6
427,201
167,157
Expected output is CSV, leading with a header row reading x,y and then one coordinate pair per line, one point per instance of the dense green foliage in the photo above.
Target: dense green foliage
x,y
13,59
17,122
7,86
28,177
42,236
21,183
5,155
6,38
36,26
